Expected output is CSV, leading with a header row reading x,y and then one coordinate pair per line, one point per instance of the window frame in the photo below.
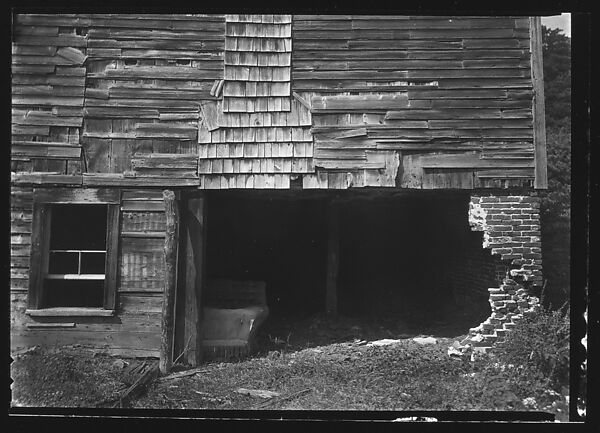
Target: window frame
x,y
43,200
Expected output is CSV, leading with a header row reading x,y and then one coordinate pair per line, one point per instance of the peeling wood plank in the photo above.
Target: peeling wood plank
x,y
123,91
346,165
472,160
179,116
73,55
120,112
39,178
211,114
115,179
32,69
61,40
96,93
38,100
166,130
362,102
163,73
42,151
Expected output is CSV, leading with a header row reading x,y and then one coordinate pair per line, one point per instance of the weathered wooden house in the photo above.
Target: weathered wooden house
x,y
345,163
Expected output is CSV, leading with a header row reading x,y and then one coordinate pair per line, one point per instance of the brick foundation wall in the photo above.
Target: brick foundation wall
x,y
511,231
469,274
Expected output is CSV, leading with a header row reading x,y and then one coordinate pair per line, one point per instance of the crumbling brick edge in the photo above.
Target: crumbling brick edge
x,y
511,230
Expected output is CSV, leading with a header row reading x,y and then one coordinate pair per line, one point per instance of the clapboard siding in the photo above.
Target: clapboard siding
x,y
456,88
48,80
21,214
150,75
130,334
259,101
135,328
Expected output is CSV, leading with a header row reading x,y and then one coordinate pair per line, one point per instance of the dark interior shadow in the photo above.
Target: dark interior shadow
x,y
290,334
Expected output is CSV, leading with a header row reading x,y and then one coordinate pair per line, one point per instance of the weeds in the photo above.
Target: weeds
x,y
540,345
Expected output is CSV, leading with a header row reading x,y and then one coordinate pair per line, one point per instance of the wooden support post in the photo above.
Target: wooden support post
x,y
195,218
539,113
168,307
333,258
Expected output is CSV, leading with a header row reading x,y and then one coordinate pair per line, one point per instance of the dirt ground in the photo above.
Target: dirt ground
x,y
311,363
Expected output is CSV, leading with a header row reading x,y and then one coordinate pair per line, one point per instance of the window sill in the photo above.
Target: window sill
x,y
70,311
75,277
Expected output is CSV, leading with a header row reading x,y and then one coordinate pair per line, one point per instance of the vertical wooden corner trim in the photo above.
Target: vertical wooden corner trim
x,y
539,112
112,256
168,307
38,259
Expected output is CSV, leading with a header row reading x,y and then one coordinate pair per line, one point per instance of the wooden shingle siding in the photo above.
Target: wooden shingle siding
x,y
256,150
257,64
259,135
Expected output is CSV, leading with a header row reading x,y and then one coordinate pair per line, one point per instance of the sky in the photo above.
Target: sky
x,y
562,21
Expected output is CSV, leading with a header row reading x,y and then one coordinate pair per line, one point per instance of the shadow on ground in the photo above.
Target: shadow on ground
x,y
291,334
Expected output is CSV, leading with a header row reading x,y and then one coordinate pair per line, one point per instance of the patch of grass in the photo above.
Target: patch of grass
x,y
63,377
338,375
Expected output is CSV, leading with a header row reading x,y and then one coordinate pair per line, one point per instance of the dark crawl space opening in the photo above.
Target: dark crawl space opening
x,y
408,259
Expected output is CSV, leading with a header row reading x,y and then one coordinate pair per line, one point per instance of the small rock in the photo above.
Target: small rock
x,y
119,363
415,418
425,340
383,342
529,402
454,352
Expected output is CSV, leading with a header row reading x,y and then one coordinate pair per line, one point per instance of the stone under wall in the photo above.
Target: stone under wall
x,y
511,230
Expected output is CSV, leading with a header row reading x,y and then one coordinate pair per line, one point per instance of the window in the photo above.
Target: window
x,y
76,256
74,251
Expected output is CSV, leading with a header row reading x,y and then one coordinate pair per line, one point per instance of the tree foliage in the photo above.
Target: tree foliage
x,y
555,206
556,48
